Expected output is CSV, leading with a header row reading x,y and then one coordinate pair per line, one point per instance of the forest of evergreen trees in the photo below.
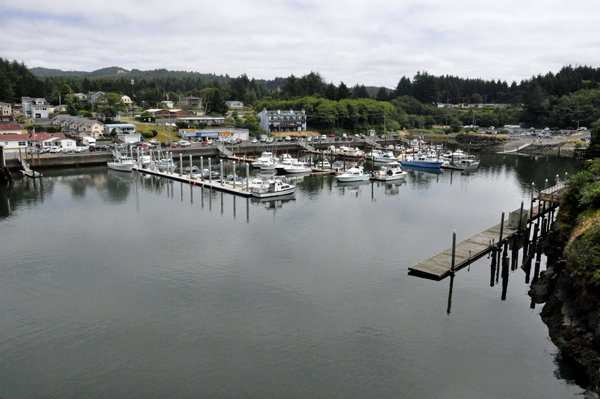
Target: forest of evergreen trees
x,y
563,99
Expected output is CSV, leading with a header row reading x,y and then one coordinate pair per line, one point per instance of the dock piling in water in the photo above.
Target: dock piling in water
x,y
501,228
453,251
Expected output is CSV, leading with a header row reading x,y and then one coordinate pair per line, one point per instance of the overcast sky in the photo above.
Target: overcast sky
x,y
371,42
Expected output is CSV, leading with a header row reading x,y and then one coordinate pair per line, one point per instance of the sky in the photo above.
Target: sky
x,y
370,42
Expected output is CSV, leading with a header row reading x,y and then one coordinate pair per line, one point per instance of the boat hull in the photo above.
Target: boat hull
x,y
288,191
347,179
399,176
423,164
120,167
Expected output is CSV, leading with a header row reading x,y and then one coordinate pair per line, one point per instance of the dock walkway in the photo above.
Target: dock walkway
x,y
439,266
240,188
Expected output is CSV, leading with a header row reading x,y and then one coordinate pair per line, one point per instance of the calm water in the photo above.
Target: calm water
x,y
115,286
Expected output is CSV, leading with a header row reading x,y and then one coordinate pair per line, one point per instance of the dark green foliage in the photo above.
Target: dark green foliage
x,y
17,81
583,193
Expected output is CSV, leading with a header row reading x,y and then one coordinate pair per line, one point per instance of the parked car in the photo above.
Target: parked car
x,y
153,141
239,141
174,145
184,143
254,141
205,143
55,150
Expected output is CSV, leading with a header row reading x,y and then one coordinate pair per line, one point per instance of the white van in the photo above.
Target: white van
x,y
288,138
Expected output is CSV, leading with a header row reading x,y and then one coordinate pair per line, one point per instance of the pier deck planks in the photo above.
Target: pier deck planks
x,y
438,266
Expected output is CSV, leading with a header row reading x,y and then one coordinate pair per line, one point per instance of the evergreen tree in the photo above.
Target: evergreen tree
x,y
343,91
404,87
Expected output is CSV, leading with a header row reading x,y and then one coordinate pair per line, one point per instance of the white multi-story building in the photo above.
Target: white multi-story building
x,y
234,104
35,108
282,121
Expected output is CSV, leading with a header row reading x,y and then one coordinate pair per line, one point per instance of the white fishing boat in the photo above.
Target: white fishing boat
x,y
266,156
297,167
456,155
120,162
323,164
389,172
373,154
466,164
273,188
386,157
269,164
355,173
350,153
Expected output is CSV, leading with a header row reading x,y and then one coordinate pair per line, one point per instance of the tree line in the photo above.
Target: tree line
x,y
563,99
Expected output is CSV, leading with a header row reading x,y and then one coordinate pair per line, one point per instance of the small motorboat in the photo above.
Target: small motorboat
x,y
389,172
273,188
355,173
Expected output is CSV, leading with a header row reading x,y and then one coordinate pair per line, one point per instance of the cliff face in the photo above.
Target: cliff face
x,y
571,290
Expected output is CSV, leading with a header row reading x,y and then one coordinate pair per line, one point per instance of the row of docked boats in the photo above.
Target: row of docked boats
x,y
390,172
429,159
286,164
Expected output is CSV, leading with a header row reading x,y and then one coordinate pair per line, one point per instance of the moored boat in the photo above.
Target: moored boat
x,y
273,188
422,161
389,172
355,173
297,167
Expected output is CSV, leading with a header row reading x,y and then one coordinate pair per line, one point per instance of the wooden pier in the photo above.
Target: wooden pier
x,y
440,265
462,254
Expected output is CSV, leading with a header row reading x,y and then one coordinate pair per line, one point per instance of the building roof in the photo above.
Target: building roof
x,y
10,126
120,125
31,136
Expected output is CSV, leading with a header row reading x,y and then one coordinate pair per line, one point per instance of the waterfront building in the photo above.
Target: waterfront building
x,y
10,128
282,121
42,140
221,134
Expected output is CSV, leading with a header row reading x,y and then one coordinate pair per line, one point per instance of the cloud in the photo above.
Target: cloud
x,y
369,42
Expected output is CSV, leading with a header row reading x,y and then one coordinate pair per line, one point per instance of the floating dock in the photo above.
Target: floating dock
x,y
239,188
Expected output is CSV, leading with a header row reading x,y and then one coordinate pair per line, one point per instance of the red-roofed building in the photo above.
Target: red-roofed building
x,y
16,141
10,128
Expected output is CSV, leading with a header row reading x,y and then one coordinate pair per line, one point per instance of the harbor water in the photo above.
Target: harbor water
x,y
116,285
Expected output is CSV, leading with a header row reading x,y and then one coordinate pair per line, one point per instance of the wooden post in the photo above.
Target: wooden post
x,y
520,219
247,177
501,229
531,209
453,251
